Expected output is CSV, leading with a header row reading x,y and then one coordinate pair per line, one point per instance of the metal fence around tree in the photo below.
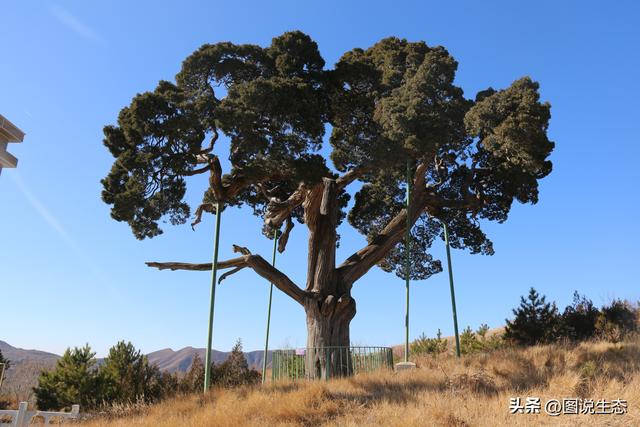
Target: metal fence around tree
x,y
328,362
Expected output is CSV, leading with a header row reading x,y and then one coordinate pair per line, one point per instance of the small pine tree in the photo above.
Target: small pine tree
x,y
536,321
469,342
75,380
616,320
492,342
168,384
473,342
482,331
579,319
235,370
424,345
131,377
193,381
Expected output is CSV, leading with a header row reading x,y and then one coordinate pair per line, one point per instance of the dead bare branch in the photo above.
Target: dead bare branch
x,y
205,207
284,238
255,262
229,273
215,179
278,211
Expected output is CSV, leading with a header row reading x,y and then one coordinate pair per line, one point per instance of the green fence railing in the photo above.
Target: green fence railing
x,y
328,362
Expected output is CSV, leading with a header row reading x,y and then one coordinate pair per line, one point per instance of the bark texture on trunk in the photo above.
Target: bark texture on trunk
x,y
330,310
328,338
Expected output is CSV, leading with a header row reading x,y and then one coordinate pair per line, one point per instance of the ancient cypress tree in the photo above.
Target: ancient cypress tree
x,y
387,106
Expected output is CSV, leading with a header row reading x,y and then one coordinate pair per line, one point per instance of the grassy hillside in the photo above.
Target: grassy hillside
x,y
443,391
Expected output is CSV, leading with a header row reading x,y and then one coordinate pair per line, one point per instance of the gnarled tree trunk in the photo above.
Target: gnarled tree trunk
x,y
330,312
327,353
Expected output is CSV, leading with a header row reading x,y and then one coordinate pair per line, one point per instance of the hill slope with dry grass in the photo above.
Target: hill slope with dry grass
x,y
442,391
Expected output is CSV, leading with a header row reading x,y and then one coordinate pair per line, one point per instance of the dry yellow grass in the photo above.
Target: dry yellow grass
x,y
443,391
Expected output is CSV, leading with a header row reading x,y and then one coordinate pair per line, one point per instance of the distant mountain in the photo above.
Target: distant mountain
x,y
25,368
17,355
166,359
179,361
26,365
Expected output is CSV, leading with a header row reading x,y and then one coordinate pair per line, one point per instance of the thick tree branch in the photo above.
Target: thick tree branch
x,y
278,211
328,194
312,204
351,176
284,238
439,169
320,216
423,198
255,262
363,260
212,143
206,266
205,207
229,273
197,171
434,202
215,179
237,184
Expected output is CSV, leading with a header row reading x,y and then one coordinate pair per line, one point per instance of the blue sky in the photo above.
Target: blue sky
x,y
69,274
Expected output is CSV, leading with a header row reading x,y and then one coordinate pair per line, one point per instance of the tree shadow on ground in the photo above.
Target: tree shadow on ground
x,y
370,391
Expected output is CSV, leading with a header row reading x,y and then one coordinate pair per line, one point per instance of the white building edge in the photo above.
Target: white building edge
x,y
8,133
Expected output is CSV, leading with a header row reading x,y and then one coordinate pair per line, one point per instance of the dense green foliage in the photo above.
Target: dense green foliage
x,y
617,320
473,342
392,105
537,321
75,380
125,377
425,345
579,319
470,342
233,372
130,377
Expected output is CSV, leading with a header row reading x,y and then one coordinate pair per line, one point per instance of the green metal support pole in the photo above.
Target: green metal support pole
x,y
266,341
407,262
453,294
214,273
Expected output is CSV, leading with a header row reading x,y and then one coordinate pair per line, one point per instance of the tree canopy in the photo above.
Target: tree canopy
x,y
388,107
